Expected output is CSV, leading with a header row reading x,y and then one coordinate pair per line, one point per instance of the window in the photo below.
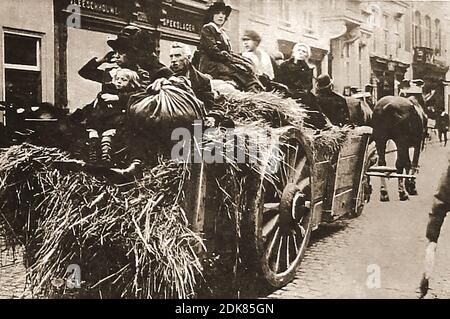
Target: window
x,y
417,40
286,11
427,32
258,7
385,34
437,37
22,68
397,42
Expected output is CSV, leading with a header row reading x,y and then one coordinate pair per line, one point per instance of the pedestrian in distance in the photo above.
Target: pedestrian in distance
x,y
442,122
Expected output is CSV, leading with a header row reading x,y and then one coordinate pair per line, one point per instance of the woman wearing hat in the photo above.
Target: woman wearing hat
x,y
215,55
261,59
296,73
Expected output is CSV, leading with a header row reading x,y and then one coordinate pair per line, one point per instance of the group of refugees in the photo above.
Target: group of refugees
x,y
133,67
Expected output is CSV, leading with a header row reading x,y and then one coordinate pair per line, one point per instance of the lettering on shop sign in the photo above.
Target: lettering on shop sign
x,y
97,6
178,25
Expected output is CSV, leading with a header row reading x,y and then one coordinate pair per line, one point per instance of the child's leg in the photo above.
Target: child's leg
x,y
93,142
107,137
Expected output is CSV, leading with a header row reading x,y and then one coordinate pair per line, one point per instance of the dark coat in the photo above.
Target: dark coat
x,y
334,106
440,208
297,76
216,59
201,85
442,122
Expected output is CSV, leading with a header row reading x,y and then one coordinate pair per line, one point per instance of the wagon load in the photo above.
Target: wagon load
x,y
138,240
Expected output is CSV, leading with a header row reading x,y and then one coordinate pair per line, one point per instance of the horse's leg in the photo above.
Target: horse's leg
x,y
414,170
401,164
381,150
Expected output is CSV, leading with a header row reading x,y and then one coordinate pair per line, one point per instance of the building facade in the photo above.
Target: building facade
x,y
27,51
357,42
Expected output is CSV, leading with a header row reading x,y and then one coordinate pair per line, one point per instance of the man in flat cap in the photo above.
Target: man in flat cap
x,y
263,62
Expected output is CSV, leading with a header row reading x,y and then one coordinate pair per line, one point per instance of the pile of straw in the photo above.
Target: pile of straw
x,y
269,109
129,242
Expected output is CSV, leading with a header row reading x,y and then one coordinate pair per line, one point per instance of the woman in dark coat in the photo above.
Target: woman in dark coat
x,y
295,72
215,56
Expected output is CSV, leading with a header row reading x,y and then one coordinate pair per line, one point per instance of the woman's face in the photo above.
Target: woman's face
x,y
219,18
300,53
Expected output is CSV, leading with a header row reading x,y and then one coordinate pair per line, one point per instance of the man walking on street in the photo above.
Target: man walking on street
x,y
442,122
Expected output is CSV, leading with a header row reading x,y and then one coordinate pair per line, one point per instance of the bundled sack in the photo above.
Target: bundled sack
x,y
167,104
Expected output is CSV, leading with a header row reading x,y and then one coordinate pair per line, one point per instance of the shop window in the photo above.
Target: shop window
x,y
22,69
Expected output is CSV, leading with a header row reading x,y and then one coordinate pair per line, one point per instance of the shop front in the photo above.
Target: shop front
x,y
386,75
82,30
432,71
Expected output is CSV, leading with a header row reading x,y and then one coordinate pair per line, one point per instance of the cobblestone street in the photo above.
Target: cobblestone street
x,y
342,255
390,236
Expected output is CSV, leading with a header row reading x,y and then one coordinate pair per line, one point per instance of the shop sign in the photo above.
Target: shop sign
x,y
179,19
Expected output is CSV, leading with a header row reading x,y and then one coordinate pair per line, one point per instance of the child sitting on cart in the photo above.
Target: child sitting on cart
x,y
108,112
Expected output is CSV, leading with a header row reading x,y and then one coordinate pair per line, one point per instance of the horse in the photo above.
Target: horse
x,y
403,120
360,111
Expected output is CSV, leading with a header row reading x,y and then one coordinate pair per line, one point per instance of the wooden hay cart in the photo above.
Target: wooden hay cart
x,y
313,187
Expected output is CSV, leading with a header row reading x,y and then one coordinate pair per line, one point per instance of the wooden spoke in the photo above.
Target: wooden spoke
x,y
272,243
269,207
277,264
270,226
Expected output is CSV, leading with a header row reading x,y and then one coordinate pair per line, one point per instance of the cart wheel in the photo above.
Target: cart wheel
x,y
282,220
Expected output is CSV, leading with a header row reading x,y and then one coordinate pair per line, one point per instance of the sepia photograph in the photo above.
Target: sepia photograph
x,y
253,151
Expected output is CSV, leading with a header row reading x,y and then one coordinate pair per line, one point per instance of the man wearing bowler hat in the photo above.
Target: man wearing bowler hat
x,y
332,104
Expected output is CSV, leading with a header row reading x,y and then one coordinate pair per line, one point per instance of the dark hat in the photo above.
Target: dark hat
x,y
251,35
324,81
132,38
217,6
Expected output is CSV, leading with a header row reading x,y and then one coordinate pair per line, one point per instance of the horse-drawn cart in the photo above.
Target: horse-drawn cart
x,y
276,206
313,185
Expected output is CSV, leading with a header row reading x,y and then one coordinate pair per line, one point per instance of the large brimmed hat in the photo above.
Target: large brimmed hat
x,y
132,38
324,81
219,5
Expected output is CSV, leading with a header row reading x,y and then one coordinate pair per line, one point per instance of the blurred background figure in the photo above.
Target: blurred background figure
x,y
442,122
